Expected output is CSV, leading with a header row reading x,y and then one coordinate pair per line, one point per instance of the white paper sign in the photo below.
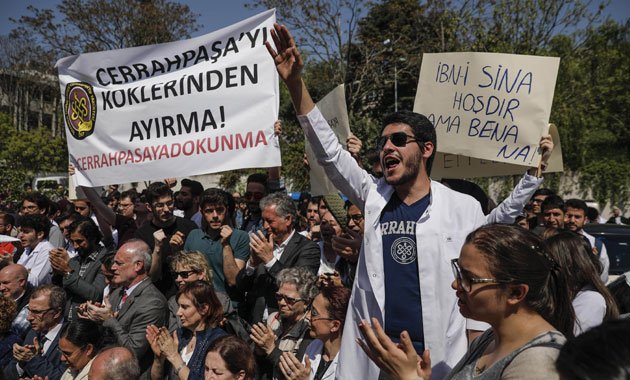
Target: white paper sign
x,y
487,105
203,105
333,107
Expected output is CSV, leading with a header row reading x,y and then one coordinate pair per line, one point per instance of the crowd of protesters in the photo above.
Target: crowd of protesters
x,y
402,277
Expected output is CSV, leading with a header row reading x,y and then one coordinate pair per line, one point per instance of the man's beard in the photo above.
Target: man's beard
x,y
411,170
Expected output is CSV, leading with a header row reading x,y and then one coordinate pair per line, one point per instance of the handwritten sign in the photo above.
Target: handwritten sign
x,y
203,105
448,165
333,107
487,105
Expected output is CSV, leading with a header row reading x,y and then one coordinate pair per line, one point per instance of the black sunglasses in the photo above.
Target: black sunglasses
x,y
289,300
184,274
399,139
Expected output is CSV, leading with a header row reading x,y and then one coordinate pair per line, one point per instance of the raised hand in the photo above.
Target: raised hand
x,y
287,58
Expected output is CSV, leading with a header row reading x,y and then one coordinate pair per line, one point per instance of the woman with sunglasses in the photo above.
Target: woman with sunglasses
x,y
200,313
190,266
80,341
505,277
286,330
591,299
327,316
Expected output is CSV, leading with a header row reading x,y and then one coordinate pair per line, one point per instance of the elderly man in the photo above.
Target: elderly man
x,y
279,247
40,355
114,364
135,304
14,285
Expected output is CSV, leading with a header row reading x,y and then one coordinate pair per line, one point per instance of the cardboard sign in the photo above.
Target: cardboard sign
x,y
448,165
487,105
333,107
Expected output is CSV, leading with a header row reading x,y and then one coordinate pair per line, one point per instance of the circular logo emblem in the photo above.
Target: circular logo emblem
x,y
404,250
80,110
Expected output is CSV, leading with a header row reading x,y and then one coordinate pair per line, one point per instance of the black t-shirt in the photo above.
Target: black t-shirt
x,y
167,283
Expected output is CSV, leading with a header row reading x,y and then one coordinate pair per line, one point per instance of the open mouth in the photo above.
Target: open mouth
x,y
390,162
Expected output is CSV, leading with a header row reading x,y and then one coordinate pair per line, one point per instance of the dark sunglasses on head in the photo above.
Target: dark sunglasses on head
x,y
184,274
289,300
399,139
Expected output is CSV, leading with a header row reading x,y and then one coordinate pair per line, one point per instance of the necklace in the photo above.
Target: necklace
x,y
479,370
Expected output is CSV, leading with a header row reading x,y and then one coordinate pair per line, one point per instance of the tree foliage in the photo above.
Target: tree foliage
x,y
26,153
95,25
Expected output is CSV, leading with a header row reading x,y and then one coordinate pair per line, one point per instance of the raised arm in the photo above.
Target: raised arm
x,y
289,64
513,205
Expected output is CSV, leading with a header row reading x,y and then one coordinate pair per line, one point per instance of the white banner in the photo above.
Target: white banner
x,y
333,107
203,105
487,105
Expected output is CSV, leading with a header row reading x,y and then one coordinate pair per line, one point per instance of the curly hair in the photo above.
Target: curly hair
x,y
8,311
194,260
338,298
302,278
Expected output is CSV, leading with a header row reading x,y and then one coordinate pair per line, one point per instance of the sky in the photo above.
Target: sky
x,y
216,14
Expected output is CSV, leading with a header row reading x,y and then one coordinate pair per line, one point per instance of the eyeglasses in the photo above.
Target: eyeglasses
x,y
184,274
38,313
316,317
161,205
218,210
467,282
288,300
356,217
254,195
68,355
399,139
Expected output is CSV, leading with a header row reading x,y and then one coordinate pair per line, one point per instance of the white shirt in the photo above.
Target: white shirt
x,y
37,262
590,309
314,352
603,256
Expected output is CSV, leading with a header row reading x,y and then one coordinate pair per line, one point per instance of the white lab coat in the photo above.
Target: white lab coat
x,y
440,234
314,353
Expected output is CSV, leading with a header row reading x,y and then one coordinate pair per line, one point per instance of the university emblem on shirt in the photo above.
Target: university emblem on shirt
x,y
404,250
80,110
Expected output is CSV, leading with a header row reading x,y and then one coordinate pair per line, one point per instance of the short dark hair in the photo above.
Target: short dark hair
x,y
42,201
258,178
87,228
577,204
600,353
213,196
551,202
196,188
592,214
38,222
7,218
543,191
131,194
73,216
423,130
236,354
82,332
157,190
